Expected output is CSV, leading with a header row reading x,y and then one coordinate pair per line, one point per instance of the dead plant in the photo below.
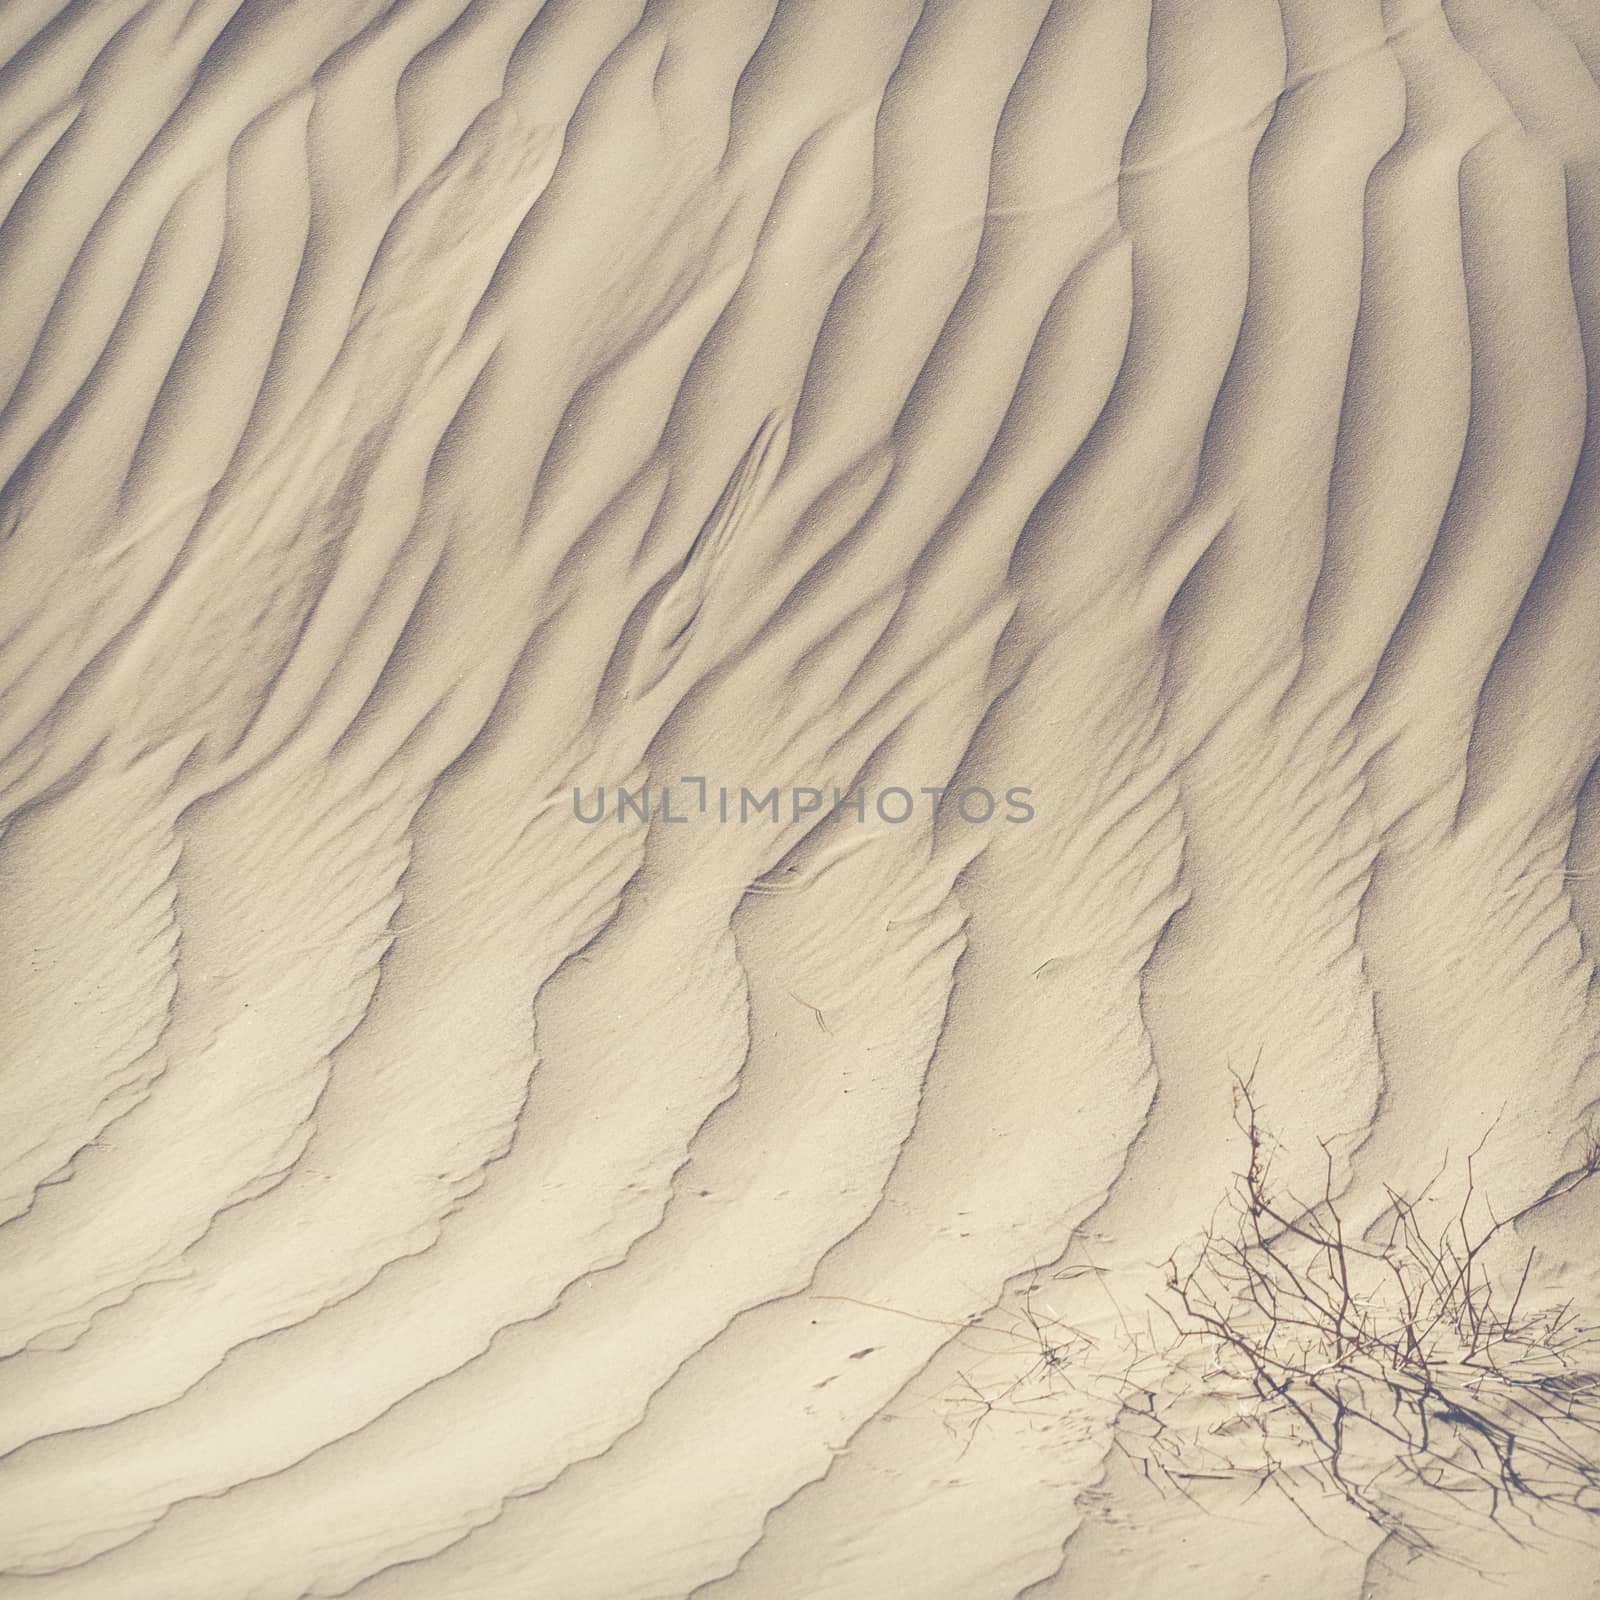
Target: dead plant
x,y
1382,1368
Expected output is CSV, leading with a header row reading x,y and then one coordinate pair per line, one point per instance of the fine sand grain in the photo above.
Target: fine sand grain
x,y
798,799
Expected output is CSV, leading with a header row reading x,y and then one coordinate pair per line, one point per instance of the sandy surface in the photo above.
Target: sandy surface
x,y
693,695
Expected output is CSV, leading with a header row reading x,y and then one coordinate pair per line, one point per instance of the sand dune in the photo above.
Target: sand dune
x,y
695,697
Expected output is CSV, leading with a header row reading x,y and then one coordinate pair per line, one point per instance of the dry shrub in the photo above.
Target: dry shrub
x,y
1408,1376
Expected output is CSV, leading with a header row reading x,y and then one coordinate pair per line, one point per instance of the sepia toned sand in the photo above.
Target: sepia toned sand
x,y
413,412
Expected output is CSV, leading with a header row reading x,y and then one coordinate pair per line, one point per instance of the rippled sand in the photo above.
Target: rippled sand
x,y
428,425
